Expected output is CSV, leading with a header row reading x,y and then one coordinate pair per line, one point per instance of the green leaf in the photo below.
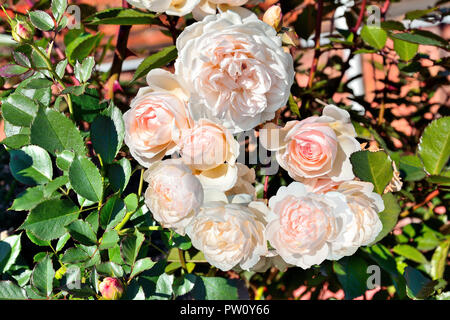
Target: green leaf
x,y
410,253
215,288
389,216
31,165
373,167
107,133
130,247
48,219
42,277
392,25
61,68
157,60
58,8
293,106
109,240
131,202
19,110
43,95
52,131
10,291
112,212
434,147
9,251
16,141
374,36
421,37
41,20
418,286
352,274
384,258
12,70
163,289
411,168
86,179
110,269
39,83
31,197
75,255
184,284
87,106
82,46
119,174
439,260
36,240
64,159
83,70
406,50
141,265
416,14
62,242
82,232
122,17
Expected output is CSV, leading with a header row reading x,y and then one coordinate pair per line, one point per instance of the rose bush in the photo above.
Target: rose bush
x,y
239,162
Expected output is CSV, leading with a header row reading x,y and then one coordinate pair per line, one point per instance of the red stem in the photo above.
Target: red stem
x,y
266,186
360,17
317,43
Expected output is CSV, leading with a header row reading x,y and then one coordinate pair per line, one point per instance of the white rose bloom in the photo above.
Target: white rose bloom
x,y
317,148
365,205
235,69
209,7
229,234
304,226
246,178
156,117
174,195
174,7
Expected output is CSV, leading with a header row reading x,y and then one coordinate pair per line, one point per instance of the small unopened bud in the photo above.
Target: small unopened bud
x,y
22,31
273,17
111,288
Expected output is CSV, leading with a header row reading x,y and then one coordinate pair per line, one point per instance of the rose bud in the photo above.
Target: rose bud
x,y
111,288
22,31
273,17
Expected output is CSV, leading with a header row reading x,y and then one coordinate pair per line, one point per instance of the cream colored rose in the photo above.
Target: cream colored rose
x,y
246,179
365,205
236,70
316,147
207,145
210,151
174,7
229,234
209,7
303,226
156,117
270,260
174,195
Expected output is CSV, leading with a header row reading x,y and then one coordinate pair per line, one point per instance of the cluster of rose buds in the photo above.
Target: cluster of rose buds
x,y
232,75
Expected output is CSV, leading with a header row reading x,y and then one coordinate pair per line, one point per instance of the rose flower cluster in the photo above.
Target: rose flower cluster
x,y
232,75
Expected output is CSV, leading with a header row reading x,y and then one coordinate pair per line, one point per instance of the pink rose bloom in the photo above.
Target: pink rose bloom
x,y
303,226
317,147
157,115
235,69
174,195
365,206
111,288
210,151
230,234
